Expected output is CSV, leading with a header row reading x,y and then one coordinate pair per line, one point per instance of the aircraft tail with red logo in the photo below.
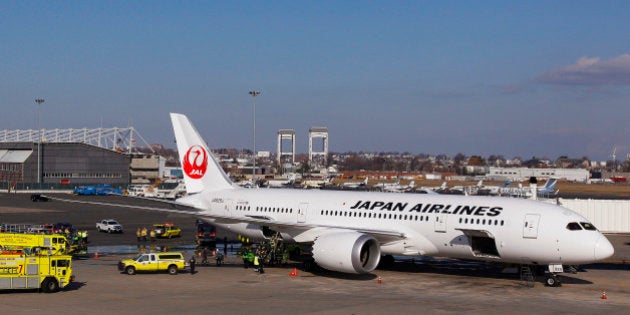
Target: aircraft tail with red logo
x,y
201,169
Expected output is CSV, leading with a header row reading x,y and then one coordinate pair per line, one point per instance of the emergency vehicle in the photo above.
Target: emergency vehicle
x,y
153,262
55,243
206,234
48,273
167,230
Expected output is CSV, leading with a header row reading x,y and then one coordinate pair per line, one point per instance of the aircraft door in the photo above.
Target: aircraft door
x,y
301,212
530,226
229,207
440,223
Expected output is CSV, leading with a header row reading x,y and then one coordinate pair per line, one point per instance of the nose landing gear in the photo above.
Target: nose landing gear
x,y
552,280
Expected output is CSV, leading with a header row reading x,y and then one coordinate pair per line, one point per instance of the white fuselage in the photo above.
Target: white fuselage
x,y
522,231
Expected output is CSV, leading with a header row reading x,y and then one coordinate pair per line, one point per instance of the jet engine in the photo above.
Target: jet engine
x,y
348,252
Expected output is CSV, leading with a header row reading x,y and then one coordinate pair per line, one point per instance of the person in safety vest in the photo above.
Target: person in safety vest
x,y
244,257
250,258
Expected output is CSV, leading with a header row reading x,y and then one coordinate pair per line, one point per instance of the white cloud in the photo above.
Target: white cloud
x,y
591,71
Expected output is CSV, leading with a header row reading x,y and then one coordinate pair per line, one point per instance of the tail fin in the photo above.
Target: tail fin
x,y
551,183
200,167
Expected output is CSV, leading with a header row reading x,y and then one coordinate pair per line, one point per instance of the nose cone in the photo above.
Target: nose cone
x,y
603,248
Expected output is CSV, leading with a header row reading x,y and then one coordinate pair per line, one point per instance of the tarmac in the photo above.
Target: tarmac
x,y
411,286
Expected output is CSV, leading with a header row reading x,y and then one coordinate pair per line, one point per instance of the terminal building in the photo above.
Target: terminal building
x,y
523,173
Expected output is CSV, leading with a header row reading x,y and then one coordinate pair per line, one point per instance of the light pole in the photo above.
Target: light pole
x,y
254,93
39,102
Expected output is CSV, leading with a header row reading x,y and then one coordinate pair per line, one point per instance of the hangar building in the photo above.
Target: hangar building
x,y
61,164
68,158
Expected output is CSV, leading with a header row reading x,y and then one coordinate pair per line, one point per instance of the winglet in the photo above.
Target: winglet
x,y
201,169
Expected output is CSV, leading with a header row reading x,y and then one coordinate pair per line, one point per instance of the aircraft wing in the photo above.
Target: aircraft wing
x,y
382,235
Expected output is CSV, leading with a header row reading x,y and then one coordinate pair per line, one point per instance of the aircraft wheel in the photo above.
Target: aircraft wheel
x,y
552,281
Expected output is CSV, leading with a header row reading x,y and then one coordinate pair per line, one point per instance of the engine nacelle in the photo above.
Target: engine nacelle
x,y
348,252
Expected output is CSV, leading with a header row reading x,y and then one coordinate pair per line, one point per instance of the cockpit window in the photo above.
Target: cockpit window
x,y
573,226
588,226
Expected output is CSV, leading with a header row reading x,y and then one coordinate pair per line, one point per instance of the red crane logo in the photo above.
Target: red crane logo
x,y
195,162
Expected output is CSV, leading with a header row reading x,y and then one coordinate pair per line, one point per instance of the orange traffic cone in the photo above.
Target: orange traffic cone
x,y
293,273
379,280
95,255
604,295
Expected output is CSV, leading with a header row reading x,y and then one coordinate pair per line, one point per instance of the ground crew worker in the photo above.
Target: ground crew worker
x,y
139,234
82,237
256,263
152,235
250,258
144,234
244,257
259,260
204,256
285,257
219,257
192,262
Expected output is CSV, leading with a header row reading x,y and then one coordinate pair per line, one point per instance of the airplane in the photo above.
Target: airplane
x,y
315,183
355,185
493,190
526,192
246,184
280,183
396,187
349,231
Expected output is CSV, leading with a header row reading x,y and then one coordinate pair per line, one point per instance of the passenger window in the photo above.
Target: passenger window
x,y
588,226
573,226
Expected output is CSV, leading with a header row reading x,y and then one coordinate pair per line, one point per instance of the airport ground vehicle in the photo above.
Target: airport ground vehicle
x,y
30,243
38,198
49,273
206,234
109,226
100,189
167,230
85,190
153,262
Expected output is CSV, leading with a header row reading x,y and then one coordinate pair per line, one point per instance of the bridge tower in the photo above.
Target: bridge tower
x,y
286,134
321,157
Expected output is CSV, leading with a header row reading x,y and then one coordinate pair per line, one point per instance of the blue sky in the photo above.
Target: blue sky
x,y
534,78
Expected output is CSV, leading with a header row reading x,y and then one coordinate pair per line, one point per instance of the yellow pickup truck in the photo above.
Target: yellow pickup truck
x,y
153,262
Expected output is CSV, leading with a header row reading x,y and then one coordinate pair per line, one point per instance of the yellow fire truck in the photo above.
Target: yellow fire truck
x,y
48,273
31,243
